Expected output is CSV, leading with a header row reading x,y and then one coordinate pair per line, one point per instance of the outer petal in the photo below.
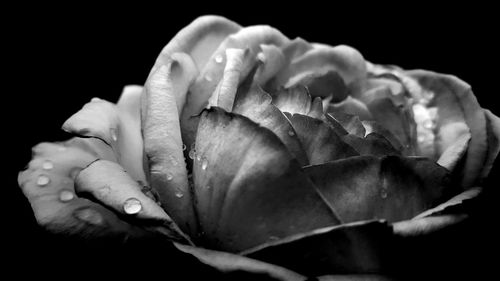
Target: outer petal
x,y
248,188
164,97
391,188
493,130
118,126
48,183
297,99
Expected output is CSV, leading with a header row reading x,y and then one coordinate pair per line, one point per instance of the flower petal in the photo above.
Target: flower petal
x,y
373,144
453,202
227,262
250,38
391,188
117,126
293,100
353,248
252,102
272,59
350,123
374,127
351,106
48,183
450,157
319,140
327,84
112,186
248,188
493,130
199,39
452,95
164,95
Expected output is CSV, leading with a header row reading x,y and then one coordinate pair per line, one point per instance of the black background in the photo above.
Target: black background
x,y
60,57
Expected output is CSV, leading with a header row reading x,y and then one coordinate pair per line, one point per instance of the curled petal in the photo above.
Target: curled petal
x,y
48,183
391,188
426,225
116,125
351,106
112,186
272,59
248,188
325,85
450,157
319,140
493,130
163,98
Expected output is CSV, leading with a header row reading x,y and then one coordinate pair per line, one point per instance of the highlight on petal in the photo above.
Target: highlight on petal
x,y
456,103
252,102
319,140
352,248
391,188
227,262
199,40
164,96
48,183
111,185
450,157
248,188
117,126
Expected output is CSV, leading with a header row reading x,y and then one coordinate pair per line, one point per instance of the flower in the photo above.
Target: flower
x,y
255,152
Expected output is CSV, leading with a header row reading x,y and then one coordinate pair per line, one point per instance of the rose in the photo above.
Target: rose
x,y
274,178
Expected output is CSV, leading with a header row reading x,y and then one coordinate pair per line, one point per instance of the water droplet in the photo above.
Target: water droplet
x,y
208,78
178,194
428,124
169,177
112,131
42,180
192,154
291,133
132,206
421,138
198,157
66,195
204,163
47,165
383,193
183,147
219,58
89,216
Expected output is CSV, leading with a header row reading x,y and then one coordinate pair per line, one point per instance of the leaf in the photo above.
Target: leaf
x,y
113,187
227,262
116,125
248,188
164,96
48,183
319,140
353,248
392,187
252,102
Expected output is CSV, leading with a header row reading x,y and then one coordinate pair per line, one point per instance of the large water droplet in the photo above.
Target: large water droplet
x,y
169,177
219,58
383,193
198,157
132,206
291,133
204,163
89,216
66,195
112,131
47,165
179,194
192,154
42,180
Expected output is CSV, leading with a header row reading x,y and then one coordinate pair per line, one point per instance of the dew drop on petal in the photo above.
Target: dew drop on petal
x,y
112,131
178,194
291,133
183,147
169,177
89,216
383,193
66,195
192,154
132,206
43,180
421,138
204,163
208,78
47,165
219,58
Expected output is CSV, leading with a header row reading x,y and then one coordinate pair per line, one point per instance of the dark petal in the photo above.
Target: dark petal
x,y
319,140
354,248
373,144
248,188
452,203
164,96
493,127
350,123
325,85
252,102
110,185
374,127
455,101
48,183
392,187
230,263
